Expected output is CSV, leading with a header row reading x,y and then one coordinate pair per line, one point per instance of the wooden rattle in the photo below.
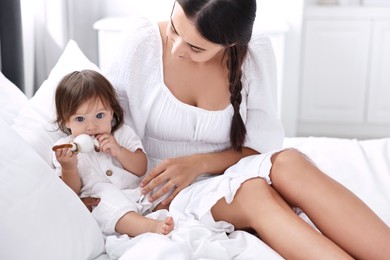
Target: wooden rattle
x,y
82,143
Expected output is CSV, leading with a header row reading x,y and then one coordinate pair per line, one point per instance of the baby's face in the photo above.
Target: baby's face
x,y
91,118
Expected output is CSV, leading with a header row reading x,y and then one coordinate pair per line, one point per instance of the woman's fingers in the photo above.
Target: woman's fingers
x,y
168,200
162,191
153,183
150,182
170,177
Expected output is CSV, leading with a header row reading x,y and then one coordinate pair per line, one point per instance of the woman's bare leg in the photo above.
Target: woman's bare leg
x,y
134,224
337,212
256,205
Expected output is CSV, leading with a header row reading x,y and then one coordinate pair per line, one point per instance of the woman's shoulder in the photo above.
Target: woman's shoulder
x,y
139,51
260,53
260,45
140,30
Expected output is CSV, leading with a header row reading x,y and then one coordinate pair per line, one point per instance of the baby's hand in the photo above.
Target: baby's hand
x,y
66,158
108,144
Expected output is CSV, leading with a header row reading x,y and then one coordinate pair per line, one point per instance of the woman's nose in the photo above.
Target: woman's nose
x,y
178,48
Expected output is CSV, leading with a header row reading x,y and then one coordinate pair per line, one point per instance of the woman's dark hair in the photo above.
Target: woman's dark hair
x,y
229,23
78,87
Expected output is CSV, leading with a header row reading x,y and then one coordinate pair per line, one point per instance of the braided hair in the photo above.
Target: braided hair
x,y
229,23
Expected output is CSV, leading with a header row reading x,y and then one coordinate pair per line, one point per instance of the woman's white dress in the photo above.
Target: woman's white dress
x,y
170,128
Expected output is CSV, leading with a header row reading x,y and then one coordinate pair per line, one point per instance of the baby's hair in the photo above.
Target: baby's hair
x,y
229,23
78,87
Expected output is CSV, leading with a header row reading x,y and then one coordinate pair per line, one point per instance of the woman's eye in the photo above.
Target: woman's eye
x,y
173,29
100,115
79,119
196,50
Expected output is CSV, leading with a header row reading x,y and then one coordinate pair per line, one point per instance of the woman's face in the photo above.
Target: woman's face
x,y
187,43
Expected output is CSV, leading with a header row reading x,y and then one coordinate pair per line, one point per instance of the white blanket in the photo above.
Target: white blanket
x,y
189,240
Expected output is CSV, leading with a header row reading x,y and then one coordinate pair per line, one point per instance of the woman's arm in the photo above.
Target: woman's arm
x,y
180,172
217,163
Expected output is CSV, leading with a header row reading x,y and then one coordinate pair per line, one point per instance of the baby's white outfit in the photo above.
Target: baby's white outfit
x,y
102,176
170,128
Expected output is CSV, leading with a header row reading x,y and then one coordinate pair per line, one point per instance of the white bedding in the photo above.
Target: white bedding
x,y
42,219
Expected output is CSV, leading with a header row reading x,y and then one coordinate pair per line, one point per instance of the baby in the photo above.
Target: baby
x,y
86,103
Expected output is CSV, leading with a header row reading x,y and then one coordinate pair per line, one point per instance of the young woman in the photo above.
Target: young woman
x,y
86,103
198,91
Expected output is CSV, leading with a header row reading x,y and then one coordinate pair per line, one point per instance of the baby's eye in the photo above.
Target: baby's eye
x,y
79,119
100,115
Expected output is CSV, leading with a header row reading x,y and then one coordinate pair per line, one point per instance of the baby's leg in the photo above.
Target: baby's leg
x,y
134,224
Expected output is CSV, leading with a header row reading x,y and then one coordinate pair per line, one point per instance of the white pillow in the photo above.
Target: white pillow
x,y
11,99
35,121
41,218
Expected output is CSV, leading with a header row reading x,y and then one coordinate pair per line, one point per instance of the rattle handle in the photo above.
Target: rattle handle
x,y
62,146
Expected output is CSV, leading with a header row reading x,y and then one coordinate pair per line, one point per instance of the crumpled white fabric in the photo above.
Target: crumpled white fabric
x,y
189,240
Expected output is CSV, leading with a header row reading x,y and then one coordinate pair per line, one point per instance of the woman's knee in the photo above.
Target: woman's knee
x,y
290,171
288,159
251,198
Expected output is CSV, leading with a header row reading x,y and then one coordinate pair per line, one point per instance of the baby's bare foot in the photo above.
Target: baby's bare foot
x,y
164,226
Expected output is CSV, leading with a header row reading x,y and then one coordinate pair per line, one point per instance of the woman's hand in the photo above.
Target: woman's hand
x,y
175,174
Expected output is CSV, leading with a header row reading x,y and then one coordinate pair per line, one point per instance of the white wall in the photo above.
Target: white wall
x,y
290,11
154,9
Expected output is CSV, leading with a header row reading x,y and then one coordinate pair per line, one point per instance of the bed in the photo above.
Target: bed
x,y
41,218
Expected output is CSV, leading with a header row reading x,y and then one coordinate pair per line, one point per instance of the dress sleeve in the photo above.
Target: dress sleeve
x,y
264,129
134,70
128,138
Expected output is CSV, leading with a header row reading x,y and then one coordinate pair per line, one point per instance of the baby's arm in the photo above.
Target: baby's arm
x,y
134,162
69,172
